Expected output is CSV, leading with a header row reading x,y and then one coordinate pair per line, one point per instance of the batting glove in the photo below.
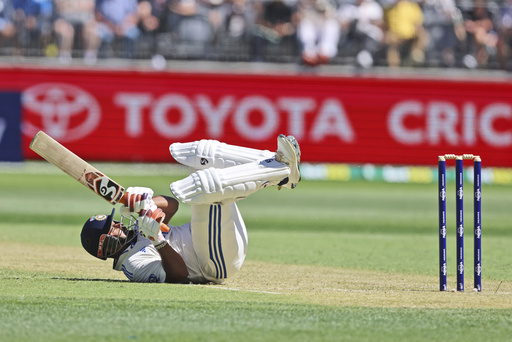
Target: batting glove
x,y
149,225
137,200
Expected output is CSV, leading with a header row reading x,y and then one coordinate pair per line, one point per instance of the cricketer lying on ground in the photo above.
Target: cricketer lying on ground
x,y
213,244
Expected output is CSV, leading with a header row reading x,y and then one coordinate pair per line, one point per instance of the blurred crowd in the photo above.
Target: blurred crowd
x,y
393,33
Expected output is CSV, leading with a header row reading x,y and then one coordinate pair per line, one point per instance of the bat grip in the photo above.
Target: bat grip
x,y
163,227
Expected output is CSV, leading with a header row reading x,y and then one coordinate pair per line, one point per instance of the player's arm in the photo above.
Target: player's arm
x,y
139,199
175,269
174,266
152,212
149,227
169,206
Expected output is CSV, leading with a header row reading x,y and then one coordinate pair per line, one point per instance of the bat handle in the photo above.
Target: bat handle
x,y
163,227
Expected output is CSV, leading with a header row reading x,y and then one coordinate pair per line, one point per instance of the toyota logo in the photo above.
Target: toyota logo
x,y
64,111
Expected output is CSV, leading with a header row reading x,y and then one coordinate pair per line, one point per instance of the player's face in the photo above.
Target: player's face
x,y
116,238
117,230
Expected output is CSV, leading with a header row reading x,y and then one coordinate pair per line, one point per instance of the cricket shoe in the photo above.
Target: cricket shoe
x,y
288,152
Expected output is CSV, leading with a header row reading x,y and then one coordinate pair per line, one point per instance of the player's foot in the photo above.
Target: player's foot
x,y
288,152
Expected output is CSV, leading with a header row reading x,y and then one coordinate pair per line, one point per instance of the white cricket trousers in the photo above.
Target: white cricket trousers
x,y
220,239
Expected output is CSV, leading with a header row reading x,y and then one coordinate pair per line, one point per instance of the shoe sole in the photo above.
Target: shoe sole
x,y
286,144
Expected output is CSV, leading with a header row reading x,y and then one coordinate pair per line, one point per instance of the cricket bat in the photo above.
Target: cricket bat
x,y
79,169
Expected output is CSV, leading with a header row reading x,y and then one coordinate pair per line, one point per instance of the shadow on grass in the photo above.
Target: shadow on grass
x,y
92,279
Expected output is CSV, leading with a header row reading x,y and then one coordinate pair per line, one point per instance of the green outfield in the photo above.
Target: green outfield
x,y
328,261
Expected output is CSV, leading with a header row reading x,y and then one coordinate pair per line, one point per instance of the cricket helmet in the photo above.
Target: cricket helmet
x,y
97,241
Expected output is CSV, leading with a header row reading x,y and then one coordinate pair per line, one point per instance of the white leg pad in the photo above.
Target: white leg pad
x,y
203,154
229,185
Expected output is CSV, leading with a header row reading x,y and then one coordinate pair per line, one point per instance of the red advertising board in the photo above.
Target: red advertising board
x,y
134,115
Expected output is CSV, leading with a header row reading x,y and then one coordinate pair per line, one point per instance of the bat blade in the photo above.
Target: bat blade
x,y
79,169
76,167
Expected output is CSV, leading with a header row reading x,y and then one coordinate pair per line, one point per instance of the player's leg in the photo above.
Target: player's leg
x,y
220,240
204,153
231,184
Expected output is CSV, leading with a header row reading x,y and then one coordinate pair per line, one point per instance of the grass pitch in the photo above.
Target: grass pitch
x,y
328,261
